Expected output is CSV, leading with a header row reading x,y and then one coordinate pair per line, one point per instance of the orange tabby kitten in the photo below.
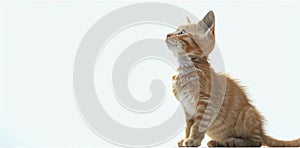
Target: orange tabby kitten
x,y
214,104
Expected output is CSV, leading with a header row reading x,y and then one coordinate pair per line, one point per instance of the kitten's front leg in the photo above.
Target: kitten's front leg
x,y
195,138
189,122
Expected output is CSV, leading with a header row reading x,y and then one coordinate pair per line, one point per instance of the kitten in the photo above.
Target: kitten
x,y
214,104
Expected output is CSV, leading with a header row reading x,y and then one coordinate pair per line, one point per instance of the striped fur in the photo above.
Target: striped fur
x,y
227,116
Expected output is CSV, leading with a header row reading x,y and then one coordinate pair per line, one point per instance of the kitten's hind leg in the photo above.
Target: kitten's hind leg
x,y
214,143
239,142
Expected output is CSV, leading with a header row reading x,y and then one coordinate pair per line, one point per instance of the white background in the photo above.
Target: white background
x,y
38,43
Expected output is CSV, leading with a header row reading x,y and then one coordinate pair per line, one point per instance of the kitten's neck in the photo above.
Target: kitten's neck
x,y
200,63
185,62
194,66
192,61
192,70
187,70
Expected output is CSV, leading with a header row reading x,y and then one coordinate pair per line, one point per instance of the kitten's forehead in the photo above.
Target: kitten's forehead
x,y
190,28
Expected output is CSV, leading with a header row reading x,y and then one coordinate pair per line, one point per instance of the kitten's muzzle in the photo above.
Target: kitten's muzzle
x,y
170,40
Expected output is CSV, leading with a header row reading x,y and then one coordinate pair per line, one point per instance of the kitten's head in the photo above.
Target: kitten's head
x,y
193,38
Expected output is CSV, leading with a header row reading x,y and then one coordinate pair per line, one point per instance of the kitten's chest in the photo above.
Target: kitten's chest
x,y
187,92
186,85
188,103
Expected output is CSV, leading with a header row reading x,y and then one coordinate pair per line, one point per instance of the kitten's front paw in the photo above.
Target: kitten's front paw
x,y
189,142
180,142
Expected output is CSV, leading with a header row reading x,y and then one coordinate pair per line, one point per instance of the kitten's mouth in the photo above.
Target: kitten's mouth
x,y
171,42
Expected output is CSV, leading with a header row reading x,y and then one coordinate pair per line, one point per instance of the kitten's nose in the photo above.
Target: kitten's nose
x,y
168,35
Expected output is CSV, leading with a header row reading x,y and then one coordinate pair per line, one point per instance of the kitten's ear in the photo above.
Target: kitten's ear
x,y
208,22
209,19
205,37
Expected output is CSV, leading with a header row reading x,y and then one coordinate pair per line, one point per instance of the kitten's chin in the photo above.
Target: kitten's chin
x,y
171,42
174,49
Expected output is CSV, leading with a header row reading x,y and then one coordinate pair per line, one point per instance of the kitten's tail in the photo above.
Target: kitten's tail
x,y
271,142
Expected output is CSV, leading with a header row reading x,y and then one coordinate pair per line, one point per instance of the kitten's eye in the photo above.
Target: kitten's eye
x,y
181,32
